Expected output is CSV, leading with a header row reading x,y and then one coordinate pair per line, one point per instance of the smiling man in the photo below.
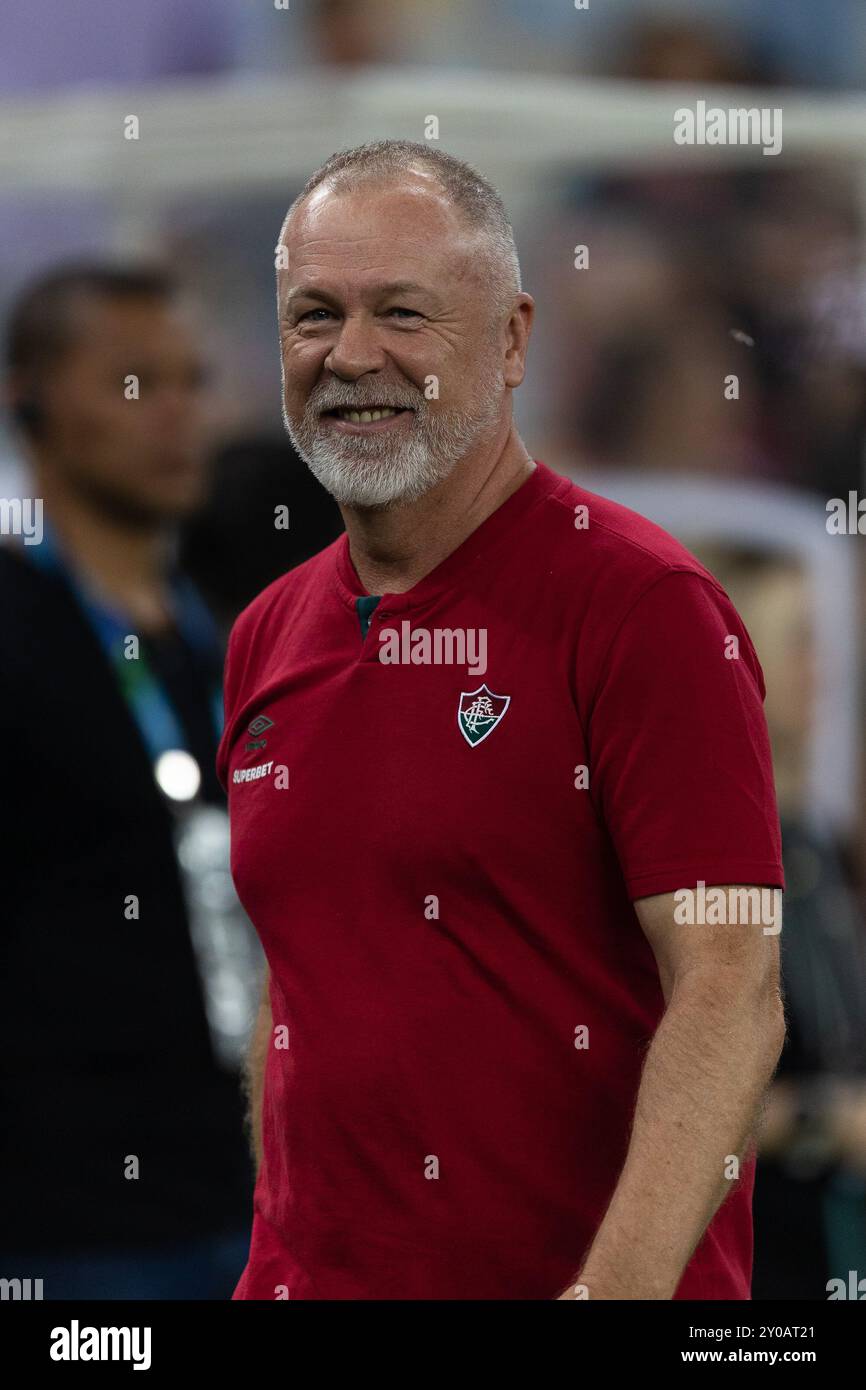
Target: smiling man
x,y
491,1060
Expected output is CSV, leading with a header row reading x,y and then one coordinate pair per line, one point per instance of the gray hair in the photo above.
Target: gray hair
x,y
476,199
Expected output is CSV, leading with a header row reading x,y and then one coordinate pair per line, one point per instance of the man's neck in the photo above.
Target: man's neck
x,y
392,550
123,561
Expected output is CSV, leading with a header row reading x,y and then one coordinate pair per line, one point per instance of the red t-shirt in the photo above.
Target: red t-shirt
x,y
445,904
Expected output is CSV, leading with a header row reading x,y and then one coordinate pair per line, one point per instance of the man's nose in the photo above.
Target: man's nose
x,y
356,350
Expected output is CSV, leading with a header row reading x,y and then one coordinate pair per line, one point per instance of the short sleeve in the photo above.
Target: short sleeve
x,y
680,764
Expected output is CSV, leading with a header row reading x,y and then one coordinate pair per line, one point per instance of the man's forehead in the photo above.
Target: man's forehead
x,y
405,210
373,237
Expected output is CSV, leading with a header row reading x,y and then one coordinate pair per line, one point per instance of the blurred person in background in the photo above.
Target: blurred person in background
x,y
352,33
124,1170
231,546
698,273
652,334
810,1186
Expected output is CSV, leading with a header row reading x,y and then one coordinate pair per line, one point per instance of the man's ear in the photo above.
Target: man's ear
x,y
518,329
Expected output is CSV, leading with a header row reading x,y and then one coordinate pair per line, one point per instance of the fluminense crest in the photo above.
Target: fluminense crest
x,y
478,713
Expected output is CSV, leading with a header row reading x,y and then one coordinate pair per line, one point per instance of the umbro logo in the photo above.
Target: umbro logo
x,y
256,727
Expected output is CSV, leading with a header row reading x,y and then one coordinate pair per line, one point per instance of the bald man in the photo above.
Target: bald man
x,y
502,813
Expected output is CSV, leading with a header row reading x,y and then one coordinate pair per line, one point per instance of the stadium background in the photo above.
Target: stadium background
x,y
702,263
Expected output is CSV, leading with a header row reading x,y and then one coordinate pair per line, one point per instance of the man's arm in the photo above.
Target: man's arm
x,y
254,1075
704,1080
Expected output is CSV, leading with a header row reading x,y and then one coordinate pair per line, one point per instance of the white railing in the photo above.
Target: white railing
x,y
249,130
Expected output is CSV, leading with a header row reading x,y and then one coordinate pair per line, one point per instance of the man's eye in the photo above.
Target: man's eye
x,y
398,309
310,312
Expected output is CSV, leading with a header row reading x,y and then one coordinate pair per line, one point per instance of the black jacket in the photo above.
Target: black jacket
x,y
104,1046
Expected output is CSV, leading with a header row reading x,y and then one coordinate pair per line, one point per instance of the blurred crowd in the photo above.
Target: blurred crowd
x,y
691,277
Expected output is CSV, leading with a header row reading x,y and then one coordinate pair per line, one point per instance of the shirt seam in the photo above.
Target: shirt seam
x,y
687,866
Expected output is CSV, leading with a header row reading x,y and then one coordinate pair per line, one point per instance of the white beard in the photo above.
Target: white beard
x,y
382,469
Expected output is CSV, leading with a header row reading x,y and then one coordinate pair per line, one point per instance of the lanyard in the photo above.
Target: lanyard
x,y
145,695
